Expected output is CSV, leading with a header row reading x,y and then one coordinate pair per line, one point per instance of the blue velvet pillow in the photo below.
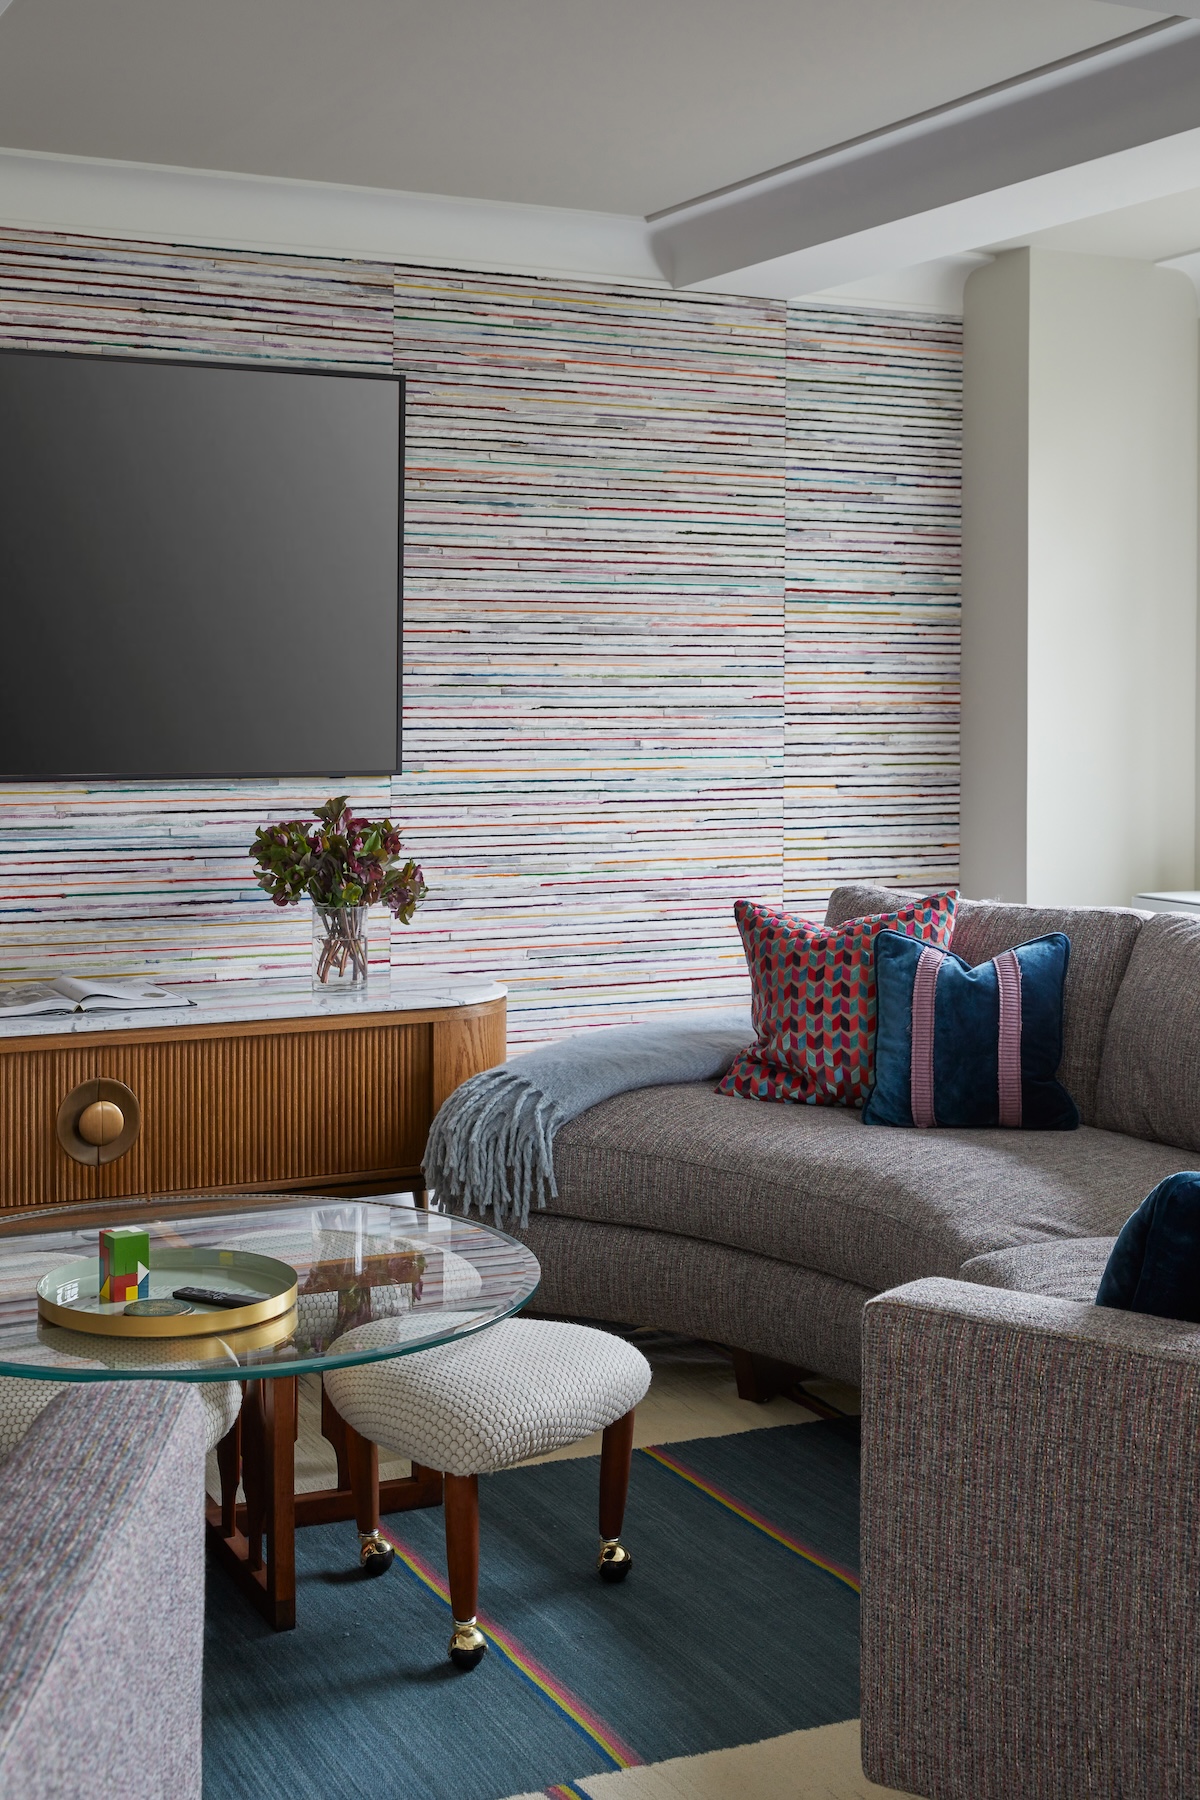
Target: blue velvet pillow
x,y
961,1046
1155,1263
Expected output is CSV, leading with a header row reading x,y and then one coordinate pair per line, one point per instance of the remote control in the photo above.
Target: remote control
x,y
215,1297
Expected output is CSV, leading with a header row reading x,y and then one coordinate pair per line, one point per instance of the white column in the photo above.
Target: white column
x,y
1079,606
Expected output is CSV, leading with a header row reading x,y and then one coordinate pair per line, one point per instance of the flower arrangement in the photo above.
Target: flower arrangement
x,y
342,863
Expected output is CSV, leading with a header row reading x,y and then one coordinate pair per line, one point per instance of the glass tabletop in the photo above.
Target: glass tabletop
x,y
316,1268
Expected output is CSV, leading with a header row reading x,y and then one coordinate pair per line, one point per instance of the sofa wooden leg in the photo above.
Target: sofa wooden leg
x,y
760,1378
461,1502
750,1377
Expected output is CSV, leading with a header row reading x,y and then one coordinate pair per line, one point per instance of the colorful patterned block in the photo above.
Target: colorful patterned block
x,y
814,1000
124,1265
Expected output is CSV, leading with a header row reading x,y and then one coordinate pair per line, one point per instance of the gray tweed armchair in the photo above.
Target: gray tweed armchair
x,y
102,1596
1030,1548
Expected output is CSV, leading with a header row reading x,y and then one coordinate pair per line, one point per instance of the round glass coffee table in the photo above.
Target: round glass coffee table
x,y
353,1260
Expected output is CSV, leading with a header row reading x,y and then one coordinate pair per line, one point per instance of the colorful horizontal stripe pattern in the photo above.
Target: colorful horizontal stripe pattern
x,y
681,627
874,422
605,1739
668,1460
593,636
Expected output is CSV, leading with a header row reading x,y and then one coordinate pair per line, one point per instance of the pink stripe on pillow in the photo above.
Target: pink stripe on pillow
x,y
1008,975
924,990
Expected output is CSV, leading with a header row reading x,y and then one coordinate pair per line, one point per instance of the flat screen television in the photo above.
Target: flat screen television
x,y
199,569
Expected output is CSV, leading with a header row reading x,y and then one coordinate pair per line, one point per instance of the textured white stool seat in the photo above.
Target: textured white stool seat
x,y
22,1400
485,1402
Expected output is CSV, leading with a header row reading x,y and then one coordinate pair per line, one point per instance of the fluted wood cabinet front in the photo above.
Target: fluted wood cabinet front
x,y
333,1105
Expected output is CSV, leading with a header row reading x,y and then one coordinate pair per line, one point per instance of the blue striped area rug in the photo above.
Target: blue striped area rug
x,y
739,1622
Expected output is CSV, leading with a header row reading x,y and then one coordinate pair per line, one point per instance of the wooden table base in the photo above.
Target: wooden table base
x,y
260,1451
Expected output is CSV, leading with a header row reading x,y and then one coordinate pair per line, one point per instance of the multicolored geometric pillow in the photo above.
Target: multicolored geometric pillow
x,y
813,1006
957,1045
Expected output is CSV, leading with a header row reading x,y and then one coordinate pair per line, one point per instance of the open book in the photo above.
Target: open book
x,y
72,993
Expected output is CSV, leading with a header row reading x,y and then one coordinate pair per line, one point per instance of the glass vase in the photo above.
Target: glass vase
x,y
340,963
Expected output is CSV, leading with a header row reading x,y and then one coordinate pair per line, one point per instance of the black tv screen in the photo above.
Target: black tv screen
x,y
199,569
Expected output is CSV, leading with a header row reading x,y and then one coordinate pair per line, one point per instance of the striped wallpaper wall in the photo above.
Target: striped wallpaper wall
x,y
874,420
681,624
594,634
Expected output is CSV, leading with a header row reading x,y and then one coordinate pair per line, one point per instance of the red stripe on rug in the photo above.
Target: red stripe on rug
x,y
751,1517
560,1696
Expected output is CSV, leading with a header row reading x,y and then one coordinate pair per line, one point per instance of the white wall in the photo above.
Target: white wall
x,y
995,578
1080,579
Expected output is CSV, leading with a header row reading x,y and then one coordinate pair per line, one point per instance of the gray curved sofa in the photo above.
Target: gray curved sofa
x,y
768,1227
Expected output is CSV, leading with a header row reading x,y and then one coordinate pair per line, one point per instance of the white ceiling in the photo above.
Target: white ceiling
x,y
618,106
1155,231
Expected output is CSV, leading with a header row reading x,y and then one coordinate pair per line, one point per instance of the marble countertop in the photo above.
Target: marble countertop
x,y
236,1002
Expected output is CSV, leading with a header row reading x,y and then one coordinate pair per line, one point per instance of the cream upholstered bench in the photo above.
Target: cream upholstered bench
x,y
478,1404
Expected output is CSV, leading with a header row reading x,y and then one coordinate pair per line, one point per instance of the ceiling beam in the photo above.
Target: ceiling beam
x,y
1133,93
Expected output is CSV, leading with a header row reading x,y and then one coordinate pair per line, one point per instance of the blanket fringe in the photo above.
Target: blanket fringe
x,y
491,1147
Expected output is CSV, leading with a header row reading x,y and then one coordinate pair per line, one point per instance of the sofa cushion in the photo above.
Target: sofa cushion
x,y
1102,942
814,1000
1061,1268
964,1046
1150,1072
817,1187
1155,1262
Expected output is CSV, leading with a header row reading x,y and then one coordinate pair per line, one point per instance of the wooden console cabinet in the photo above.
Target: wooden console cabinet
x,y
326,1098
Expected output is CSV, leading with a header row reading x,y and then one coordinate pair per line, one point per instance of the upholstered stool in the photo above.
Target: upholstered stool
x,y
21,1400
479,1404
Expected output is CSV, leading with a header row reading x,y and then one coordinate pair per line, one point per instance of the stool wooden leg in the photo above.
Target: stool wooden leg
x,y
229,1463
333,1430
467,1644
616,1456
375,1554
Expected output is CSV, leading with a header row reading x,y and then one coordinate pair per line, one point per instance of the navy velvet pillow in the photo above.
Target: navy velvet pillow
x,y
1155,1263
961,1046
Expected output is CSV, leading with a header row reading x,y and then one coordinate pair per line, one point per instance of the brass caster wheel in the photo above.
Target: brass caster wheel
x,y
375,1554
467,1644
614,1561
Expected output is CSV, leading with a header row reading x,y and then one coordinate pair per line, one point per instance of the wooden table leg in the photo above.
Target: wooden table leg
x,y
263,1443
402,1493
268,1438
279,1412
254,1472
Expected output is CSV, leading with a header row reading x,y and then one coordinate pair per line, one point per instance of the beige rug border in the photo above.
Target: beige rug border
x,y
822,1763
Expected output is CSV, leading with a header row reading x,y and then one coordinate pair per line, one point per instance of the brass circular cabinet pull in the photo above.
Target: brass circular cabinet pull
x,y
99,1121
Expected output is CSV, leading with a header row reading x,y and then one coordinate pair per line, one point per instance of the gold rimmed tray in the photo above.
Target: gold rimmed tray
x,y
69,1295
165,1353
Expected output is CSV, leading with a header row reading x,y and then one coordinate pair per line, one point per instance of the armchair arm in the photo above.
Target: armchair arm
x,y
102,1596
1030,1547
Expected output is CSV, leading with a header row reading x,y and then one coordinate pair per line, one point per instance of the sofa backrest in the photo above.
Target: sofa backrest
x,y
1102,942
1150,1071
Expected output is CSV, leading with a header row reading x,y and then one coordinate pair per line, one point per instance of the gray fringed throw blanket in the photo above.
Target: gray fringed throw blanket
x,y
492,1144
